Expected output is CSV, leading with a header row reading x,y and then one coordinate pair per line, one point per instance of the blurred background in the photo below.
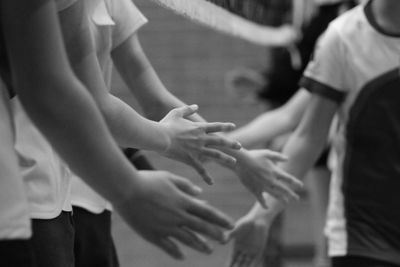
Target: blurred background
x,y
192,61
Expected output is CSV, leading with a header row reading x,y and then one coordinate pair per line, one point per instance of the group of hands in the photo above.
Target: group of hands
x,y
167,208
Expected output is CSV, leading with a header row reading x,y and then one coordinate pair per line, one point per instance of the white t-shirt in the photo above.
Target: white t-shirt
x,y
14,214
46,178
356,63
112,22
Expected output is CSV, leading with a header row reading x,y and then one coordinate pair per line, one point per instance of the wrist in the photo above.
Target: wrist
x,y
164,140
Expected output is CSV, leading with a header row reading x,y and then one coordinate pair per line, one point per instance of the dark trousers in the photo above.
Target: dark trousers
x,y
53,241
17,253
355,261
94,246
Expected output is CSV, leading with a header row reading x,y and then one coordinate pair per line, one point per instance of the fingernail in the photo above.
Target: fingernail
x,y
198,190
194,106
238,145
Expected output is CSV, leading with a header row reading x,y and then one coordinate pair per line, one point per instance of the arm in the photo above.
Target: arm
x,y
175,136
303,148
155,204
256,172
272,123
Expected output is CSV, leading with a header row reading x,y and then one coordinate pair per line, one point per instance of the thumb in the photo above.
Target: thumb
x,y
185,185
272,155
186,111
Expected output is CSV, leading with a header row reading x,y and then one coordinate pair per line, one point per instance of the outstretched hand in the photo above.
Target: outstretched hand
x,y
165,208
287,35
259,174
194,142
249,240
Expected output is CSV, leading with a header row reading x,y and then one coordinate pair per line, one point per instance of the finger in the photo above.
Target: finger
x,y
200,170
261,199
214,154
288,179
220,141
192,240
213,127
185,185
273,155
285,193
210,214
202,227
185,111
170,248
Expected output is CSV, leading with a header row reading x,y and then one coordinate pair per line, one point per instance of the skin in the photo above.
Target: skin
x,y
49,90
174,136
302,148
256,171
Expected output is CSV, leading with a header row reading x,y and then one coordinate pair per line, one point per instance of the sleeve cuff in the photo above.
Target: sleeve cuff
x,y
321,89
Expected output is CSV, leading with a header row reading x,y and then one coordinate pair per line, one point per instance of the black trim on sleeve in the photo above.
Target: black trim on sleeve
x,y
324,90
372,20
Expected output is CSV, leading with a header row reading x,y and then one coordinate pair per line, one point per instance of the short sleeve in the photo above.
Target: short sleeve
x,y
64,4
325,74
128,20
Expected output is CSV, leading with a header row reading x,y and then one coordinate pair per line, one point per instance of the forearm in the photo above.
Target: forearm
x,y
57,102
92,145
263,129
142,80
131,129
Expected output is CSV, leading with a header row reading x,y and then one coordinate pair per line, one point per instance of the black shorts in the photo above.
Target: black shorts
x,y
355,261
53,241
17,253
94,245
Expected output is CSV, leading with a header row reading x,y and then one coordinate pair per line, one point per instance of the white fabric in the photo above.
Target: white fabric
x,y
46,179
14,215
112,22
348,56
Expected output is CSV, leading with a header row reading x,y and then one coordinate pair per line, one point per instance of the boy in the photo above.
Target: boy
x,y
113,26
30,33
354,74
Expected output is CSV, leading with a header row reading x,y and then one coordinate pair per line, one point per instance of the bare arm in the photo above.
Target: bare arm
x,y
127,126
303,148
155,204
272,123
143,81
257,173
56,101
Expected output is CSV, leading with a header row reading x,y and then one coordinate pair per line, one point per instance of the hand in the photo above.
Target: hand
x,y
287,35
258,173
165,206
249,239
194,142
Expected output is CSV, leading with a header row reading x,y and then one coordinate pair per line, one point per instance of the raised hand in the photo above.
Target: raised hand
x,y
164,206
287,35
259,174
249,239
194,142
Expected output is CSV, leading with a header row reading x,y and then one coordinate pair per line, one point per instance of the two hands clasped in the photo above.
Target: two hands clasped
x,y
181,216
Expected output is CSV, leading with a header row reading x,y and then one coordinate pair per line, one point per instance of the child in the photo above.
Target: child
x,y
354,74
114,26
160,199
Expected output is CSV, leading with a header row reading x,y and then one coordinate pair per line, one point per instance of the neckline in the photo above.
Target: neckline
x,y
371,19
